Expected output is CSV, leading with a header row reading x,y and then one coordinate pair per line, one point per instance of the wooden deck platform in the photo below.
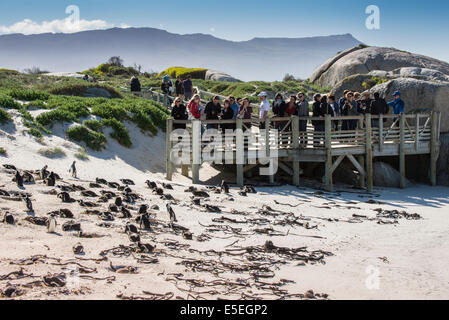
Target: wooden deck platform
x,y
409,134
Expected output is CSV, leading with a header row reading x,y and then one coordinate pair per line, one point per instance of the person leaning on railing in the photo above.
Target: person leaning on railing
x,y
179,113
213,112
279,108
397,104
350,110
245,112
302,112
227,114
317,124
264,109
378,106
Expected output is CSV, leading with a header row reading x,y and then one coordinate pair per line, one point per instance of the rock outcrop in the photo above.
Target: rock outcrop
x,y
384,175
360,60
219,76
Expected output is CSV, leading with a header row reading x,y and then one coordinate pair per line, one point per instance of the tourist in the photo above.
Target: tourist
x,y
180,88
365,103
350,110
397,104
213,111
167,86
378,106
264,109
227,114
246,111
336,111
317,124
188,87
234,106
179,113
194,107
135,85
342,100
303,112
279,108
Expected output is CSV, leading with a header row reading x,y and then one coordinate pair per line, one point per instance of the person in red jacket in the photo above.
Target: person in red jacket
x,y
194,107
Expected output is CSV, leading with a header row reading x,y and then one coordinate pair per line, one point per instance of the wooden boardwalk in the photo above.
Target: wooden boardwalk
x,y
410,134
407,134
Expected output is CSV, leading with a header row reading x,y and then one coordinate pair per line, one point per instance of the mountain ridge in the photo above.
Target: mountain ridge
x,y
156,49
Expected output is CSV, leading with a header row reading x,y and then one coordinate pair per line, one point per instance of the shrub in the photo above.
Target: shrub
x,y
37,104
8,72
119,132
5,117
94,125
3,151
94,140
28,95
35,133
195,73
79,88
109,111
57,115
52,152
82,154
8,102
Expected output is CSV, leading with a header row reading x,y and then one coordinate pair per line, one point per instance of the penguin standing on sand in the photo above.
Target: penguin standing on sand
x,y
73,169
19,179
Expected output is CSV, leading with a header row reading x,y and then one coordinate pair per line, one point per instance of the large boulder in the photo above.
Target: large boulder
x,y
412,72
364,60
384,175
353,83
97,93
443,161
219,76
419,95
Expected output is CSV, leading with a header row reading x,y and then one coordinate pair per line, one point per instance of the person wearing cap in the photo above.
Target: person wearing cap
x,y
397,104
264,108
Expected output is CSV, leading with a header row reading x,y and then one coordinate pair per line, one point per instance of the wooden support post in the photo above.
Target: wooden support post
x,y
196,151
295,147
361,162
434,148
169,163
381,133
240,152
402,150
185,170
369,154
417,132
328,146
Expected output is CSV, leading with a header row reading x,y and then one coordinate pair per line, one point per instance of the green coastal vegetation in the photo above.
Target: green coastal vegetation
x,y
62,100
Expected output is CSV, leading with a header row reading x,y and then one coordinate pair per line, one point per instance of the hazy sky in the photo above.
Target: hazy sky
x,y
414,25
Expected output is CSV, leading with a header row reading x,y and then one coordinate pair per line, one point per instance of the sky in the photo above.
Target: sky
x,y
416,26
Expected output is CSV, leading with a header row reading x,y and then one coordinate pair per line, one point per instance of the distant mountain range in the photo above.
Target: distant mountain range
x,y
257,59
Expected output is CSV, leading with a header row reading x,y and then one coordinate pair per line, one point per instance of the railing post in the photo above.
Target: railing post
x,y
381,133
267,146
169,163
369,153
402,150
295,149
240,152
434,148
196,151
328,146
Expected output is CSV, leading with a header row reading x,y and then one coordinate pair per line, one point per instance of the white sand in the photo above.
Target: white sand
x,y
415,252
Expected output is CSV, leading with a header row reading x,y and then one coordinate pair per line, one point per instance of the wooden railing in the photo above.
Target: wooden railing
x,y
398,135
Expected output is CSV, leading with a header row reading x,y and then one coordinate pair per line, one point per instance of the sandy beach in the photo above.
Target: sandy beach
x,y
278,243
